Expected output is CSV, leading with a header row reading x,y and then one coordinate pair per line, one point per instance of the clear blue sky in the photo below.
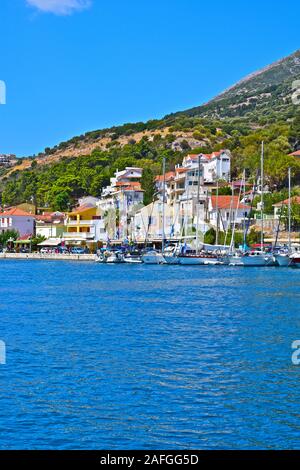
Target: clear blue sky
x,y
79,69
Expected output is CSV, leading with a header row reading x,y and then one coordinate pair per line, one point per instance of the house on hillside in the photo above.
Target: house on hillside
x,y
17,219
284,204
295,154
225,211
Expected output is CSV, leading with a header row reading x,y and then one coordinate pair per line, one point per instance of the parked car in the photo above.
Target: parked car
x,y
78,250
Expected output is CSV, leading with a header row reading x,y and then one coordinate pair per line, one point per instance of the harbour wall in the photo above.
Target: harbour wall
x,y
47,256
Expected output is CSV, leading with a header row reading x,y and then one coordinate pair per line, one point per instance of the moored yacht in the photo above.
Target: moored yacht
x,y
153,257
257,258
202,258
295,260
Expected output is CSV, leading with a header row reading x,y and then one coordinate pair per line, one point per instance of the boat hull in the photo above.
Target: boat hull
x,y
282,260
153,259
295,262
197,260
257,260
171,259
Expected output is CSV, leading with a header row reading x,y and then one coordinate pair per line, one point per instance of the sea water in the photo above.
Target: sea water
x,y
149,357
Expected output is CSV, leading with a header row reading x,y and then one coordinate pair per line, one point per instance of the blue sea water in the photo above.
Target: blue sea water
x,y
128,357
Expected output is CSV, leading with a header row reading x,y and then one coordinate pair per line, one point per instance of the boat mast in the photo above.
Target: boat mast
x,y
197,207
217,208
290,207
262,195
244,219
163,207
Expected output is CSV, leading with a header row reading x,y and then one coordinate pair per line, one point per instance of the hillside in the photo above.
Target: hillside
x,y
261,94
257,108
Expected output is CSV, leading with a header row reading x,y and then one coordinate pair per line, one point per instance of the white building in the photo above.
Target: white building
x,y
226,211
147,223
120,200
216,165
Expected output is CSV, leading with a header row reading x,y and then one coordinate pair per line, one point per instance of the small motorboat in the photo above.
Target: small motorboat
x,y
115,257
133,258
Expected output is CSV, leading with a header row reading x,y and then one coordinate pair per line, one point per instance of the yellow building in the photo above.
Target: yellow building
x,y
84,224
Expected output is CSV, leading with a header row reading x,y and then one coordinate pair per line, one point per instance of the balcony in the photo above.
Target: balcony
x,y
78,235
85,223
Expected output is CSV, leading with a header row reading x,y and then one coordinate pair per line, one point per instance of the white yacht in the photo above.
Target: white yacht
x,y
153,257
257,258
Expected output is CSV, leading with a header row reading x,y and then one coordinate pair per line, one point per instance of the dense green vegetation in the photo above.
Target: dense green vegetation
x,y
60,184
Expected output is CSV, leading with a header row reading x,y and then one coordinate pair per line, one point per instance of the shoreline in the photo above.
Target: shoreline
x,y
47,256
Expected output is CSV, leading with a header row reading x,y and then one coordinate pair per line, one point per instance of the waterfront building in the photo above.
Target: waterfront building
x,y
147,223
50,224
84,225
14,218
119,202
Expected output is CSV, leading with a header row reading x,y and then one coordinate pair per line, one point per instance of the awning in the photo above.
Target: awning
x,y
51,242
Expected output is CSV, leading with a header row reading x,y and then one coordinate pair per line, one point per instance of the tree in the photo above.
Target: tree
x,y
147,183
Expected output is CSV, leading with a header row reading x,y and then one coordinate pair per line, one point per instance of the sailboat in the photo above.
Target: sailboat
x,y
153,256
198,257
283,257
259,257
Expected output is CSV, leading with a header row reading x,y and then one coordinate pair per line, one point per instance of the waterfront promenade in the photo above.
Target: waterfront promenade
x,y
47,256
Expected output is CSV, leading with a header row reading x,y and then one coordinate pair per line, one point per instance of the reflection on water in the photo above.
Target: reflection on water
x,y
148,357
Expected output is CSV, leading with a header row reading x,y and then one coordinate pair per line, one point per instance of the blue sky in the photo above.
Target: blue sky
x,y
71,66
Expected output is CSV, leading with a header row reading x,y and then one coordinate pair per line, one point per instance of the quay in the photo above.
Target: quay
x,y
48,256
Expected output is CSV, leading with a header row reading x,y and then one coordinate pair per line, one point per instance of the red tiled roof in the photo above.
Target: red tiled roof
x,y
83,208
294,200
227,202
206,155
121,184
15,211
295,154
169,176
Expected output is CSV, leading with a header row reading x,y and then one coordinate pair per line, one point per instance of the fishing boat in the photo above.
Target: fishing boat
x,y
153,257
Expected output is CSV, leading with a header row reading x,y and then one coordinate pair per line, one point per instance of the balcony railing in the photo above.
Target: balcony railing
x,y
87,223
80,235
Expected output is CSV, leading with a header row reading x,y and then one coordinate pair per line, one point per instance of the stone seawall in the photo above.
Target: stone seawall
x,y
47,256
